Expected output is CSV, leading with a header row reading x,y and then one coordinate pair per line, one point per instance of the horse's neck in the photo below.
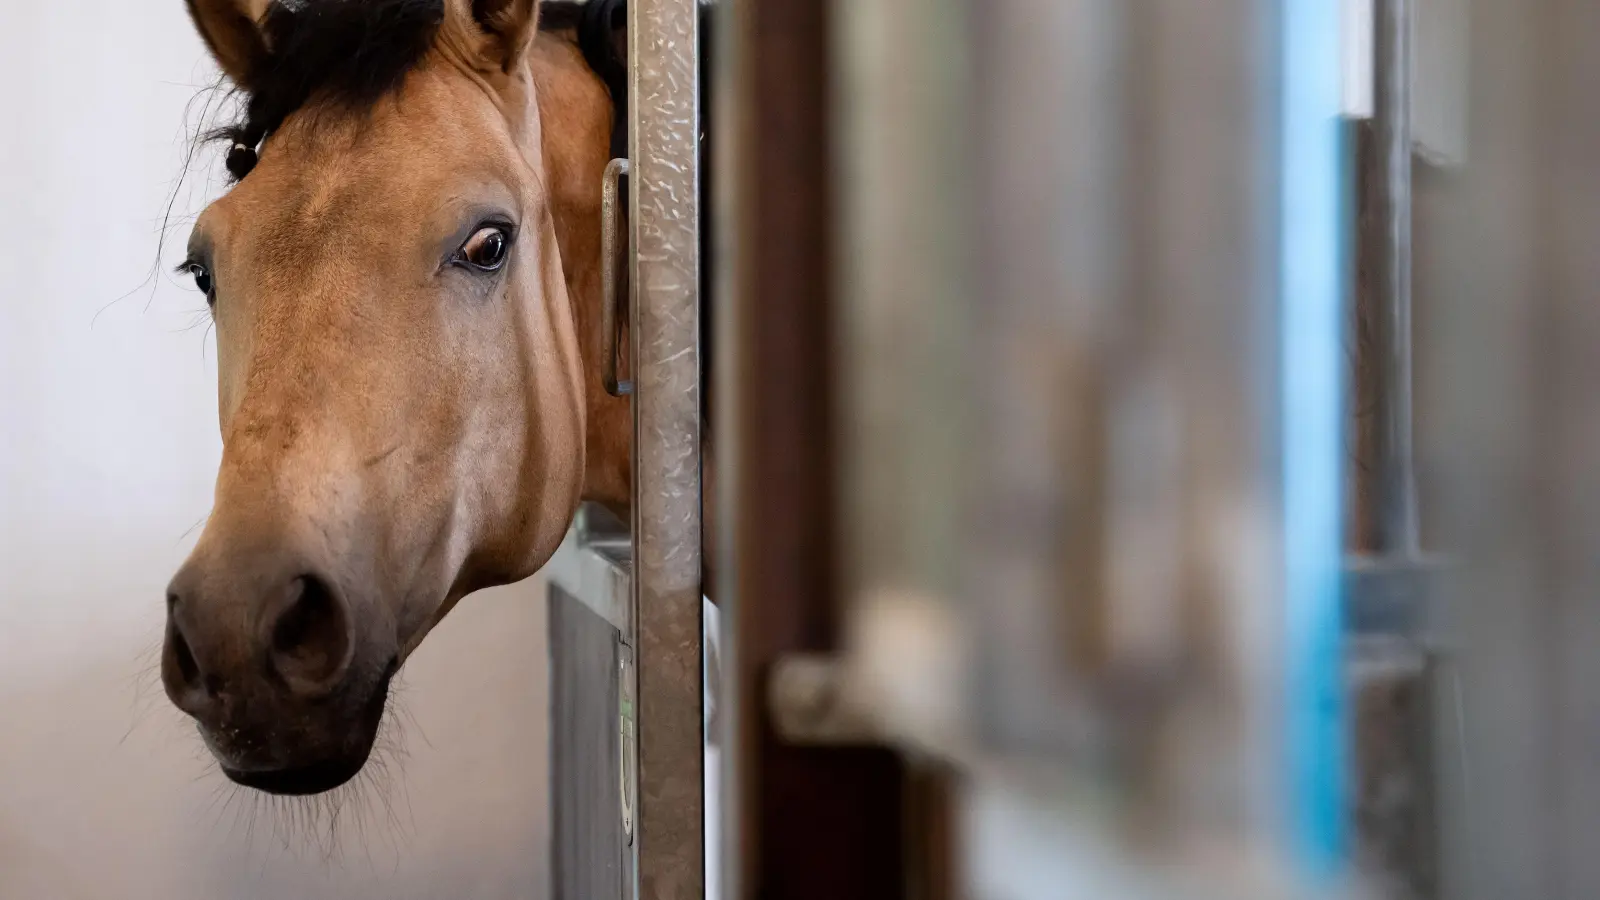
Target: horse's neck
x,y
575,111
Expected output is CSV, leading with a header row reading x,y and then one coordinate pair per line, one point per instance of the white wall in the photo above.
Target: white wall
x,y
108,445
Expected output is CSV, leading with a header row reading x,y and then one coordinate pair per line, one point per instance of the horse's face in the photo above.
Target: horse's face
x,y
399,395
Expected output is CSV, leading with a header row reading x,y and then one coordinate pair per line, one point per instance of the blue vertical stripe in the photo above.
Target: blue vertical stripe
x,y
1312,254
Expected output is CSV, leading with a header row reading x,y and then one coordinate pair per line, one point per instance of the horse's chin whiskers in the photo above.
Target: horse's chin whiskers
x,y
325,826
149,698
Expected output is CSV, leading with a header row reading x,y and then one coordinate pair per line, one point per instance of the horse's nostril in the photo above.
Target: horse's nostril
x,y
311,644
190,689
182,657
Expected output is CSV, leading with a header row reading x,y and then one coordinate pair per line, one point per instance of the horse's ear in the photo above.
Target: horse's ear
x,y
510,25
232,31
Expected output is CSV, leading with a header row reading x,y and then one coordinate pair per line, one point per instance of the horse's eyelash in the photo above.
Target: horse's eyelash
x,y
502,223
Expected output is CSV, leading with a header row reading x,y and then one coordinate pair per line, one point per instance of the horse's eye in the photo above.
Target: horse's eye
x,y
487,249
202,279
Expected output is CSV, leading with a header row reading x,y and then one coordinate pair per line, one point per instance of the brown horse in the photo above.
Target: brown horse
x,y
405,284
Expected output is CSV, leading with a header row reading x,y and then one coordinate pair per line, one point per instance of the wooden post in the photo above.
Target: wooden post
x,y
814,823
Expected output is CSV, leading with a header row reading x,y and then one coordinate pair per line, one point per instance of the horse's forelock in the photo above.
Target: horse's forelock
x,y
346,54
340,53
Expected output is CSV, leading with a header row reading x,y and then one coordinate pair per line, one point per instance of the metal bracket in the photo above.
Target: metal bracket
x,y
1396,596
610,261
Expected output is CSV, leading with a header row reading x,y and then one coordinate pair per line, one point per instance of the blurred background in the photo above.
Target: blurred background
x,y
1211,509
1157,458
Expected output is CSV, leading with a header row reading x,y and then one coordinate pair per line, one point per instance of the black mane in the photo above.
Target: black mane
x,y
347,54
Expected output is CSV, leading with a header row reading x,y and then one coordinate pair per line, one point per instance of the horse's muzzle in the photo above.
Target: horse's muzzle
x,y
265,652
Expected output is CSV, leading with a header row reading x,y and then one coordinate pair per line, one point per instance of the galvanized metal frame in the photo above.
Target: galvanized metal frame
x,y
1399,649
590,579
644,580
1395,525
664,196
1391,584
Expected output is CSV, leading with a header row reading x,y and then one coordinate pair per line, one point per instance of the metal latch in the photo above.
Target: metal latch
x,y
611,259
